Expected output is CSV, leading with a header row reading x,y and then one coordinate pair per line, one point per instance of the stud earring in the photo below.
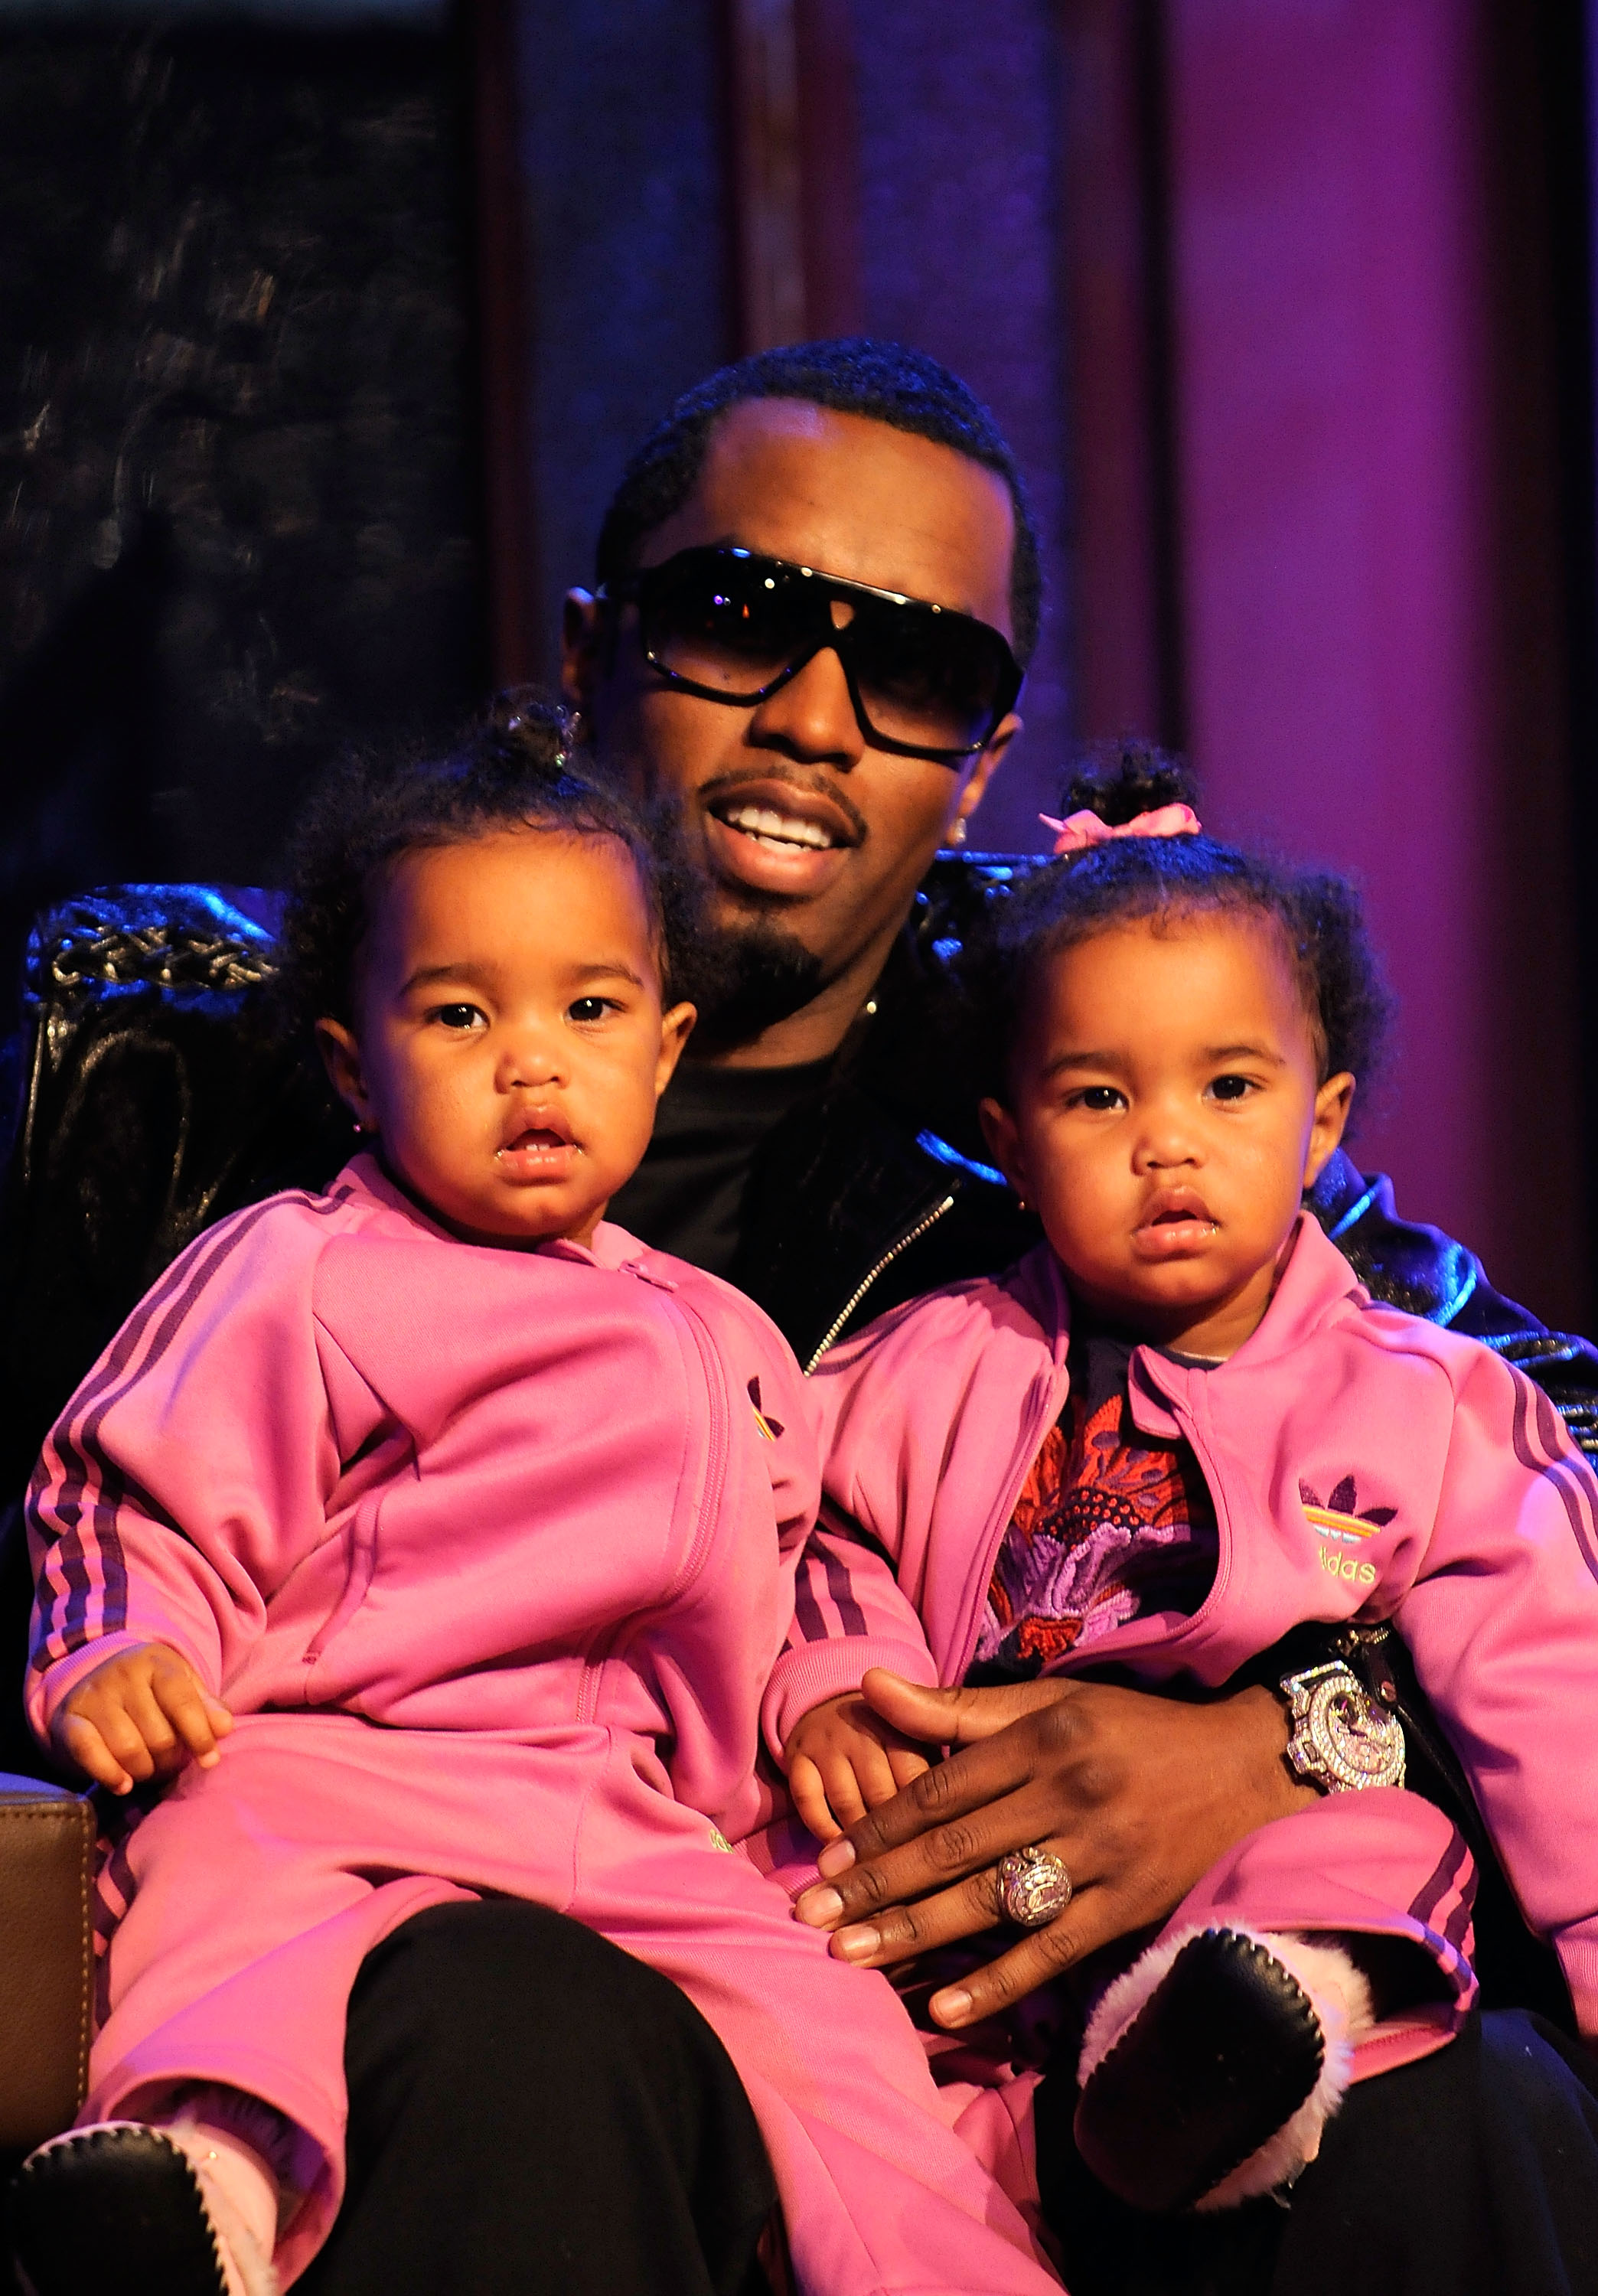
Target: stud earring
x,y
957,833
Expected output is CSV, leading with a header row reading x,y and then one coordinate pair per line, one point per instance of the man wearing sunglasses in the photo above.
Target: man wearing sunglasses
x,y
817,591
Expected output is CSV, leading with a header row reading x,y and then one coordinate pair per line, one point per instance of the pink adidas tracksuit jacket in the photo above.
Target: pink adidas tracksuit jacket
x,y
491,1553
1463,1511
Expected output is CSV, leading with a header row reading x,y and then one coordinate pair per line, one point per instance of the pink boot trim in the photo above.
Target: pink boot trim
x,y
240,2197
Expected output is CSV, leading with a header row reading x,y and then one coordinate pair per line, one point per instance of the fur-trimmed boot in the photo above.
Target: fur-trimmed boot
x,y
186,2206
1210,2068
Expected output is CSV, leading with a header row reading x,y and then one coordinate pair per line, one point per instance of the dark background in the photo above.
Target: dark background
x,y
239,454
326,328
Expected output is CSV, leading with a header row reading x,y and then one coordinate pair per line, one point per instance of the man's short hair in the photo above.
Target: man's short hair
x,y
854,375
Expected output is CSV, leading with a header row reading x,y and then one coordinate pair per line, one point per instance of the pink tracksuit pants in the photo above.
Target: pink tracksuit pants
x,y
254,1890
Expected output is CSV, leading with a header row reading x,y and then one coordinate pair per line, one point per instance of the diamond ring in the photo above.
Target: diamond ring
x,y
1034,1886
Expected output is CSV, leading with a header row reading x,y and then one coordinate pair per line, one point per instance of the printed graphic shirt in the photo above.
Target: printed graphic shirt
x,y
1111,1525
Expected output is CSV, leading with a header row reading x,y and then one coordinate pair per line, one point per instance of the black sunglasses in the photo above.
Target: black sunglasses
x,y
925,681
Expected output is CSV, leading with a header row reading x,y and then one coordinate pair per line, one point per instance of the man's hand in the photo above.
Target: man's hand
x,y
142,1715
842,1758
1137,1794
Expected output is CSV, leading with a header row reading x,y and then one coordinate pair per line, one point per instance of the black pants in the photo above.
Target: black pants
x,y
533,2113
1474,2173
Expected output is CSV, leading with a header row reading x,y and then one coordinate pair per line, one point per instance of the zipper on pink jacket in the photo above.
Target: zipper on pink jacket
x,y
1059,1388
709,1510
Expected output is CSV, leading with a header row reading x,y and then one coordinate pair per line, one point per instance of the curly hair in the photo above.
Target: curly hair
x,y
854,374
513,768
1065,902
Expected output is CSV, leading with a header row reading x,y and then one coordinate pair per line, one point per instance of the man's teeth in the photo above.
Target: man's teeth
x,y
772,828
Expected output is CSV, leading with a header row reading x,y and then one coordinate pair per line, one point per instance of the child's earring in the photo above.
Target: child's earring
x,y
1021,1205
957,833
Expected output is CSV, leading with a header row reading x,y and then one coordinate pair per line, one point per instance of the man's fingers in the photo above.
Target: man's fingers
x,y
953,1717
1091,1919
81,1742
902,1932
858,1880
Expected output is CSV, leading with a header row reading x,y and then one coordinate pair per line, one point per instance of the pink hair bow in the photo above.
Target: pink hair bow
x,y
1079,830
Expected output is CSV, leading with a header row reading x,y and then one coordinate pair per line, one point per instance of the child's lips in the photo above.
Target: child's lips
x,y
538,1152
1175,1227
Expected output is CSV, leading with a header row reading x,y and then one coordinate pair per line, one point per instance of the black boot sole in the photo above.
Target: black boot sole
x,y
1224,2051
113,2209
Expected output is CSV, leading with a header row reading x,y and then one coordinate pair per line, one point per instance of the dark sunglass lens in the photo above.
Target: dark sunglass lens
x,y
935,680
725,621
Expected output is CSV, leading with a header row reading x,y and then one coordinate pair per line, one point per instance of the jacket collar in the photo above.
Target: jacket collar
x,y
364,1180
1315,1283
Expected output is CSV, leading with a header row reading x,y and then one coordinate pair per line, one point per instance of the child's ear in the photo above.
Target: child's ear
x,y
342,1058
676,1028
1004,1145
1332,1106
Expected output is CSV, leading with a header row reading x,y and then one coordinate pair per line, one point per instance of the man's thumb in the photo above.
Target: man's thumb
x,y
951,1718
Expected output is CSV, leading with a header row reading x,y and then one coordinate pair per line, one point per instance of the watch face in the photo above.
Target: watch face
x,y
1354,1744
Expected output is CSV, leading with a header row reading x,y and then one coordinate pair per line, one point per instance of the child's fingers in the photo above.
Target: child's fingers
x,y
142,1704
186,1708
873,1773
844,1796
906,1762
77,1739
810,1798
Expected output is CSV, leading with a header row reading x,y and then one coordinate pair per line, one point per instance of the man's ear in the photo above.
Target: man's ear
x,y
986,767
582,634
676,1026
1332,1106
342,1058
1004,1145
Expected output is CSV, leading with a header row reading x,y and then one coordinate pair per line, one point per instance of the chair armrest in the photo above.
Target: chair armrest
x,y
46,1958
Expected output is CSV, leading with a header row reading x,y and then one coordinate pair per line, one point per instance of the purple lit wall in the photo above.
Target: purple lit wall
x,y
1355,554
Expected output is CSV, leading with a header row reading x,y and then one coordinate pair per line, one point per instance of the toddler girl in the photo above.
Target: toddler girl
x,y
1169,1435
435,1539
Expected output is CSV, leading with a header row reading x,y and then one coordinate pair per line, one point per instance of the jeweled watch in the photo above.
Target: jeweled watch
x,y
1342,1740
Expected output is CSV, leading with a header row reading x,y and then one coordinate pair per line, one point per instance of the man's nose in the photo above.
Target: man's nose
x,y
812,717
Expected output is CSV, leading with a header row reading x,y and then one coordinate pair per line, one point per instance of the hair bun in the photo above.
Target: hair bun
x,y
1122,779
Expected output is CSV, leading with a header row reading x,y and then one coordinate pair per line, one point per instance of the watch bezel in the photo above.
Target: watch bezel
x,y
1313,1751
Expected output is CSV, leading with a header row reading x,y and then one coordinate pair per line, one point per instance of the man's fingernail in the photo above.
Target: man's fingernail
x,y
951,2008
836,1859
820,1907
855,1945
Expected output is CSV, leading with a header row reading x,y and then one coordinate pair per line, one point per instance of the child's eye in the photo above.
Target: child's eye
x,y
1101,1098
1232,1087
458,1016
591,1008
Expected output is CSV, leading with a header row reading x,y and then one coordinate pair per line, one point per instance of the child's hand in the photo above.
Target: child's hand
x,y
842,1759
141,1715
